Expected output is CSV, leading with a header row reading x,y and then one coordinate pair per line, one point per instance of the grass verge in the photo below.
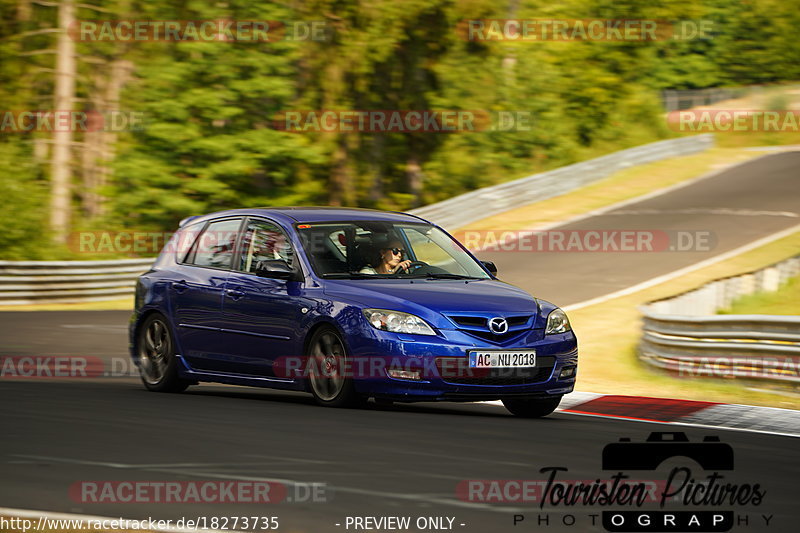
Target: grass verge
x,y
608,333
123,304
784,301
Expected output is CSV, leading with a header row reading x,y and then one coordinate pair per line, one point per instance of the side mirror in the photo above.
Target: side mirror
x,y
274,268
490,266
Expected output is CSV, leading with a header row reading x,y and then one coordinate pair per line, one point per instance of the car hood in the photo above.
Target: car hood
x,y
430,298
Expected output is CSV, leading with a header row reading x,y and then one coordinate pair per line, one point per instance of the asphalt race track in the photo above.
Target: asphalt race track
x,y
405,460
733,208
382,461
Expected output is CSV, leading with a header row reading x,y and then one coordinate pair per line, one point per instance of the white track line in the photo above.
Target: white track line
x,y
425,499
691,268
629,201
672,275
688,424
703,418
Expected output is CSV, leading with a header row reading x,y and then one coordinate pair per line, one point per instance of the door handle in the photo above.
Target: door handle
x,y
179,286
234,294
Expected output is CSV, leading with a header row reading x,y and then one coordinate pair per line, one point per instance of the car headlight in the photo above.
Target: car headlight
x,y
397,322
557,322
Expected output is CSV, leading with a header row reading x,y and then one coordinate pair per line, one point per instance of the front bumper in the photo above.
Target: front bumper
x,y
441,361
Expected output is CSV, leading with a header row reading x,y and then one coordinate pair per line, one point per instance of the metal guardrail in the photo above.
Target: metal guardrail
x,y
475,205
27,282
682,335
675,100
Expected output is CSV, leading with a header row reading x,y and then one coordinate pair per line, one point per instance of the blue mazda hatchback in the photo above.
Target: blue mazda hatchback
x,y
347,304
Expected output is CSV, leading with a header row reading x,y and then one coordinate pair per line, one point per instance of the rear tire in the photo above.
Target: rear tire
x,y
158,366
326,358
532,407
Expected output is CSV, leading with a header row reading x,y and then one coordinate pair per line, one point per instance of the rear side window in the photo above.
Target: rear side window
x,y
184,239
215,247
263,240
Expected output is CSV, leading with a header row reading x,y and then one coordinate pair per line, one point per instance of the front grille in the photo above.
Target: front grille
x,y
489,336
478,326
474,321
456,370
481,321
514,321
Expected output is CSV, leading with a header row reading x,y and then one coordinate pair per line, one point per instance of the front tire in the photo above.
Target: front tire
x,y
532,407
327,370
158,366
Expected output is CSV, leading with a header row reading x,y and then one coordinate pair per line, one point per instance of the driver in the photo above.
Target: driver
x,y
388,260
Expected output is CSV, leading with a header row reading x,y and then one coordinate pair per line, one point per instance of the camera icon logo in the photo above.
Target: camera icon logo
x,y
710,454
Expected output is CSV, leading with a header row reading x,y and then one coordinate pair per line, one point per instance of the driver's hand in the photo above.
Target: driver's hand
x,y
403,264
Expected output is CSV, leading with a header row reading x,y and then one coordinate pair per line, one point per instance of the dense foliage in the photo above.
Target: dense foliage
x,y
209,140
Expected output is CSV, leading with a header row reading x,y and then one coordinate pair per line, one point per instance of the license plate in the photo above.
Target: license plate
x,y
497,359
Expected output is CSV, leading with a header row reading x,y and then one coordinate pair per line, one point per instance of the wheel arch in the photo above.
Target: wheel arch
x,y
320,324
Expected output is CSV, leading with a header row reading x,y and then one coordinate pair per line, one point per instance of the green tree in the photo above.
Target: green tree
x,y
208,141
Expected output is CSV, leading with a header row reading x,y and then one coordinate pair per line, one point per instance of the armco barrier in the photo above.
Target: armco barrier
x,y
469,207
687,99
26,282
683,335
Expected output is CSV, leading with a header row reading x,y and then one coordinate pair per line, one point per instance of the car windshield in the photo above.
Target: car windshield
x,y
371,249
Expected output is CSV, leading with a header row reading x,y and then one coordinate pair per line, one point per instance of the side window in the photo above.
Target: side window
x,y
184,239
215,246
263,241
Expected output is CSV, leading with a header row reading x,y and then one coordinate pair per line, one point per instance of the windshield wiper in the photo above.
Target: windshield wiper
x,y
362,275
447,275
355,275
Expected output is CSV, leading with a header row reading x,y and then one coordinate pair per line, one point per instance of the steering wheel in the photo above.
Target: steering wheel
x,y
412,267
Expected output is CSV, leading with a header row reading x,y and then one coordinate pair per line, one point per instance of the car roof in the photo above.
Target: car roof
x,y
314,214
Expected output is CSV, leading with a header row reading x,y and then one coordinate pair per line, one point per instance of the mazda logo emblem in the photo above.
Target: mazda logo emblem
x,y
498,325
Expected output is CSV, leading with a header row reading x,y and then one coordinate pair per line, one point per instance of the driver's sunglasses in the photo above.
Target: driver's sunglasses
x,y
396,251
